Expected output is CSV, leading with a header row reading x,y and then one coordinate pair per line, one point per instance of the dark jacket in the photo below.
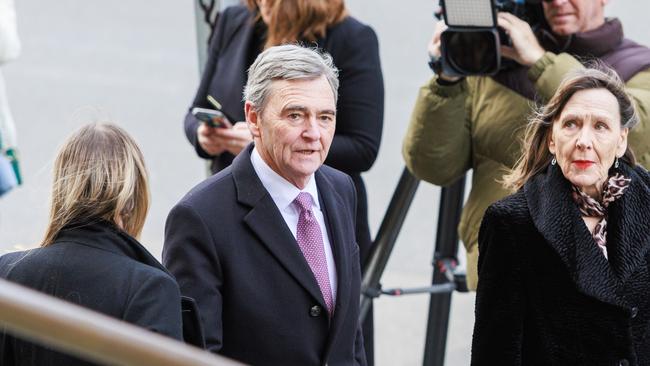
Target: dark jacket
x,y
99,267
547,295
360,108
230,249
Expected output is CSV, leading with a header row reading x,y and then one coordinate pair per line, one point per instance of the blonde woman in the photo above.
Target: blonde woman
x,y
90,255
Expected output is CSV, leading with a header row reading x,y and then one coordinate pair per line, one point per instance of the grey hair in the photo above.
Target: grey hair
x,y
288,62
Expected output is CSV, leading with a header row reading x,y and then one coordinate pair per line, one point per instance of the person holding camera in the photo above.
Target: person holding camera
x,y
475,122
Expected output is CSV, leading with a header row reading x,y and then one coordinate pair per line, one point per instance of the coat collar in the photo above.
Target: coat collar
x,y
106,236
263,219
558,219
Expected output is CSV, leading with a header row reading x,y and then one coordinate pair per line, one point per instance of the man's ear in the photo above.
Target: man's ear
x,y
252,119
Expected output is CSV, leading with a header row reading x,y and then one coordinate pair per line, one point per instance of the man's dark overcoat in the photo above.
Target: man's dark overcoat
x,y
230,249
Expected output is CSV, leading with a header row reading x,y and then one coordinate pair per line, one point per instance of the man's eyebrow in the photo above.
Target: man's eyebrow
x,y
295,108
301,108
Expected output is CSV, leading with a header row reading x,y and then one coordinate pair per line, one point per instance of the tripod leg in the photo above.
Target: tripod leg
x,y
451,205
385,239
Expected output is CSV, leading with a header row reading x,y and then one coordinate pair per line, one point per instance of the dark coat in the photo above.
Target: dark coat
x,y
230,249
99,267
547,295
360,108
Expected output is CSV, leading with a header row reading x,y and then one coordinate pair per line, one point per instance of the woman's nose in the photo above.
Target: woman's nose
x,y
584,140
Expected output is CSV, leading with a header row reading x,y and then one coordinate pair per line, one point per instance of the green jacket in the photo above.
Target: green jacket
x,y
478,123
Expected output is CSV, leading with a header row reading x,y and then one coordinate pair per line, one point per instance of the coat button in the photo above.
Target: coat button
x,y
315,311
623,362
634,311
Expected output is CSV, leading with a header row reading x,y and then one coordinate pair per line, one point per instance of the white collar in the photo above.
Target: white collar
x,y
281,190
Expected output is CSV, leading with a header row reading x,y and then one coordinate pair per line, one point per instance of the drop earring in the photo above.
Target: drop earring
x,y
553,162
616,163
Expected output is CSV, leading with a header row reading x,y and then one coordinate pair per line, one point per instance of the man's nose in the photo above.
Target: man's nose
x,y
312,129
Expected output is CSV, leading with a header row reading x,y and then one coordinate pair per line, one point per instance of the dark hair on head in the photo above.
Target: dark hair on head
x,y
535,155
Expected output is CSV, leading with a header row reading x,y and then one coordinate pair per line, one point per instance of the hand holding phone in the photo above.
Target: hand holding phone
x,y
211,117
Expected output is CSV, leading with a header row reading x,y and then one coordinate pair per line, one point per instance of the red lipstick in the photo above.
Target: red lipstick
x,y
583,164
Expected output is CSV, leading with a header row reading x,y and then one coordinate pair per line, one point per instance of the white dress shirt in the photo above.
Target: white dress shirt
x,y
283,194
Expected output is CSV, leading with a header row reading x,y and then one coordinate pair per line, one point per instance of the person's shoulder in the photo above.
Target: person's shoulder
x,y
351,29
217,186
9,260
510,208
236,12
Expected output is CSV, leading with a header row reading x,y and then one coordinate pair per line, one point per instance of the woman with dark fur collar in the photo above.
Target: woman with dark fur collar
x,y
564,264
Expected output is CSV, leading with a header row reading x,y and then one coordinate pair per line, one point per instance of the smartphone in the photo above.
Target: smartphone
x,y
211,117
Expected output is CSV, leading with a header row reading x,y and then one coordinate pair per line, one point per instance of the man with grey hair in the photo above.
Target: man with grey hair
x,y
267,246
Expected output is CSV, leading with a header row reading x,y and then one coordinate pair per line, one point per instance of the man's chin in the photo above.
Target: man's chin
x,y
562,29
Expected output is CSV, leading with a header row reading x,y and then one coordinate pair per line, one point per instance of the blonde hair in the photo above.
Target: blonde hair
x,y
299,20
99,174
535,155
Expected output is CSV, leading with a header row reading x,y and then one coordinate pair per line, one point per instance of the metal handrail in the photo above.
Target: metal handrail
x,y
90,335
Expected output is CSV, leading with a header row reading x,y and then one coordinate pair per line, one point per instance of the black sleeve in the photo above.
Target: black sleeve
x,y
360,107
190,255
498,329
191,123
156,305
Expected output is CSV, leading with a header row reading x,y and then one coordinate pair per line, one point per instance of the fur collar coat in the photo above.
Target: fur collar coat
x,y
547,295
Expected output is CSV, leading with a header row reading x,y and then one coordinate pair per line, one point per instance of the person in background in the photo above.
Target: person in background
x,y
267,246
564,263
241,33
9,50
90,255
475,122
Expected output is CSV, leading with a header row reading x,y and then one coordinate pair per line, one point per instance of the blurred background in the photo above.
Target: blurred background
x,y
135,63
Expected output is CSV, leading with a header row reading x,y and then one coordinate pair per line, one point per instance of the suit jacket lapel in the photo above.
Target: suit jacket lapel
x,y
557,218
335,217
266,221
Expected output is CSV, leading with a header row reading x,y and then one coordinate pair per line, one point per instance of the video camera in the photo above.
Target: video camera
x,y
471,44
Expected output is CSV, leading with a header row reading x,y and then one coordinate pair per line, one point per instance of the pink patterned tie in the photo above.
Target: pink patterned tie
x,y
310,241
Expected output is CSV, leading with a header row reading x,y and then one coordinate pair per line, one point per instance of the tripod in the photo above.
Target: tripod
x,y
444,280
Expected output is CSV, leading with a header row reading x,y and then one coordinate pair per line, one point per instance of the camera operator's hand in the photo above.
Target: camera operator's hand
x,y
434,48
525,49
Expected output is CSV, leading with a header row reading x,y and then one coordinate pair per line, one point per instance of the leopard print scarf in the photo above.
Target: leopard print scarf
x,y
613,189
